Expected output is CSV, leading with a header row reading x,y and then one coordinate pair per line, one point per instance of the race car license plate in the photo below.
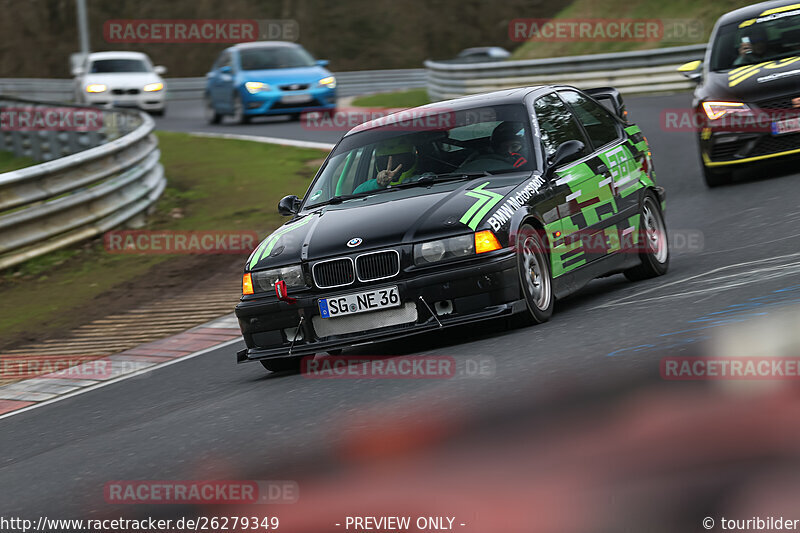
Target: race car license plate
x,y
295,99
361,302
789,125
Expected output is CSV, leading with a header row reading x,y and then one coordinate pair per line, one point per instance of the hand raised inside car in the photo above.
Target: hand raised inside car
x,y
385,177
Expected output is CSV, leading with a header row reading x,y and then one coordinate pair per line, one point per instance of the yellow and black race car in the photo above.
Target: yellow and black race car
x,y
748,93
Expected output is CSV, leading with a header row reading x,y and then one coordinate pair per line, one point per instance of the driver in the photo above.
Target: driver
x,y
753,48
508,141
396,161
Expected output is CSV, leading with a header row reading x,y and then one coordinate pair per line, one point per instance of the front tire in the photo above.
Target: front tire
x,y
715,177
285,364
533,266
653,242
238,111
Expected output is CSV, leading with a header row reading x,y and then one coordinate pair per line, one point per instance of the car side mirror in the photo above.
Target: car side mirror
x,y
323,62
566,152
289,205
225,70
692,70
77,71
160,70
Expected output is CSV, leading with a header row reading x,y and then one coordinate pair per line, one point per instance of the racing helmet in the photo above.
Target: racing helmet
x,y
508,139
402,152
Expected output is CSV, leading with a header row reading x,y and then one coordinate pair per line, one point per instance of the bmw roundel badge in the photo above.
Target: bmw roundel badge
x,y
355,241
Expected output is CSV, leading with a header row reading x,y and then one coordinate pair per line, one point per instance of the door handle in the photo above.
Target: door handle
x,y
603,169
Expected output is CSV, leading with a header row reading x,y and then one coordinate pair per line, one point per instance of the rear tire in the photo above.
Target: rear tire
x,y
286,364
653,242
212,117
533,266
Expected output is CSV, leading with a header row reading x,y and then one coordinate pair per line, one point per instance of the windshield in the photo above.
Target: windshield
x,y
446,145
118,65
275,57
757,40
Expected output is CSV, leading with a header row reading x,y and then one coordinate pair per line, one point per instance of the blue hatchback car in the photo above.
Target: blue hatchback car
x,y
267,78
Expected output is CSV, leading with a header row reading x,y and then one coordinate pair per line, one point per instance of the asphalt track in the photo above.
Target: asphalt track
x,y
208,418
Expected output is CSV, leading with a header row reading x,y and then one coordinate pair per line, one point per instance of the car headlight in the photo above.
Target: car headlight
x,y
264,280
329,82
254,87
434,251
96,88
717,110
153,87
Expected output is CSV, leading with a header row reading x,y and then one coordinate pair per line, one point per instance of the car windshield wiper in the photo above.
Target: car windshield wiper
x,y
427,180
336,200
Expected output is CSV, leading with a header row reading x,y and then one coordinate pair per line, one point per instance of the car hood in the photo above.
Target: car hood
x,y
286,75
123,79
387,219
756,82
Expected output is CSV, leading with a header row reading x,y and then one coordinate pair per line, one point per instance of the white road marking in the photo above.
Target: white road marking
x,y
265,140
121,378
636,298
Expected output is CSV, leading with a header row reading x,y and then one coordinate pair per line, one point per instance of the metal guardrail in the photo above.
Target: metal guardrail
x,y
349,84
638,72
92,181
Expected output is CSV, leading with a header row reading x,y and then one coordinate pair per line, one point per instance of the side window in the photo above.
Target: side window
x,y
556,124
223,60
600,126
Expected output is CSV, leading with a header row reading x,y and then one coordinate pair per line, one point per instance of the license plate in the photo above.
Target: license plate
x,y
350,304
295,99
789,125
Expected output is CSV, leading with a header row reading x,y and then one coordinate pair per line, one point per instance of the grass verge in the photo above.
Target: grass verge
x,y
405,99
212,184
706,13
9,162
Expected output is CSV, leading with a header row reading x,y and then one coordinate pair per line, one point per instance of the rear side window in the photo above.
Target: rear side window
x,y
556,124
600,126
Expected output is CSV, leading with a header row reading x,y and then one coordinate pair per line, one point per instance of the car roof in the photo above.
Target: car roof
x,y
754,11
265,44
505,96
117,55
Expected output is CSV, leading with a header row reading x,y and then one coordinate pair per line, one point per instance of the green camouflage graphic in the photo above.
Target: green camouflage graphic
x,y
265,248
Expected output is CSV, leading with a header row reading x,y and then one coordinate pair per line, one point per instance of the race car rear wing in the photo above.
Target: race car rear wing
x,y
610,98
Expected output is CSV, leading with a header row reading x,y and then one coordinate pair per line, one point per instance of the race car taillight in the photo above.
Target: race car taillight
x,y
247,284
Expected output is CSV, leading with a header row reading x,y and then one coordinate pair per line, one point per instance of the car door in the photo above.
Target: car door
x,y
614,163
221,82
582,204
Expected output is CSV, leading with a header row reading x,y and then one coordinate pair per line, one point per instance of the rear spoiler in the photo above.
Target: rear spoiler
x,y
610,98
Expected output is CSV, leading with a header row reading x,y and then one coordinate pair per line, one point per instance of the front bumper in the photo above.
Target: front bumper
x,y
147,101
275,102
477,292
724,148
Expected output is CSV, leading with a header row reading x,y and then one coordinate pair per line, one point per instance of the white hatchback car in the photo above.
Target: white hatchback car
x,y
120,79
